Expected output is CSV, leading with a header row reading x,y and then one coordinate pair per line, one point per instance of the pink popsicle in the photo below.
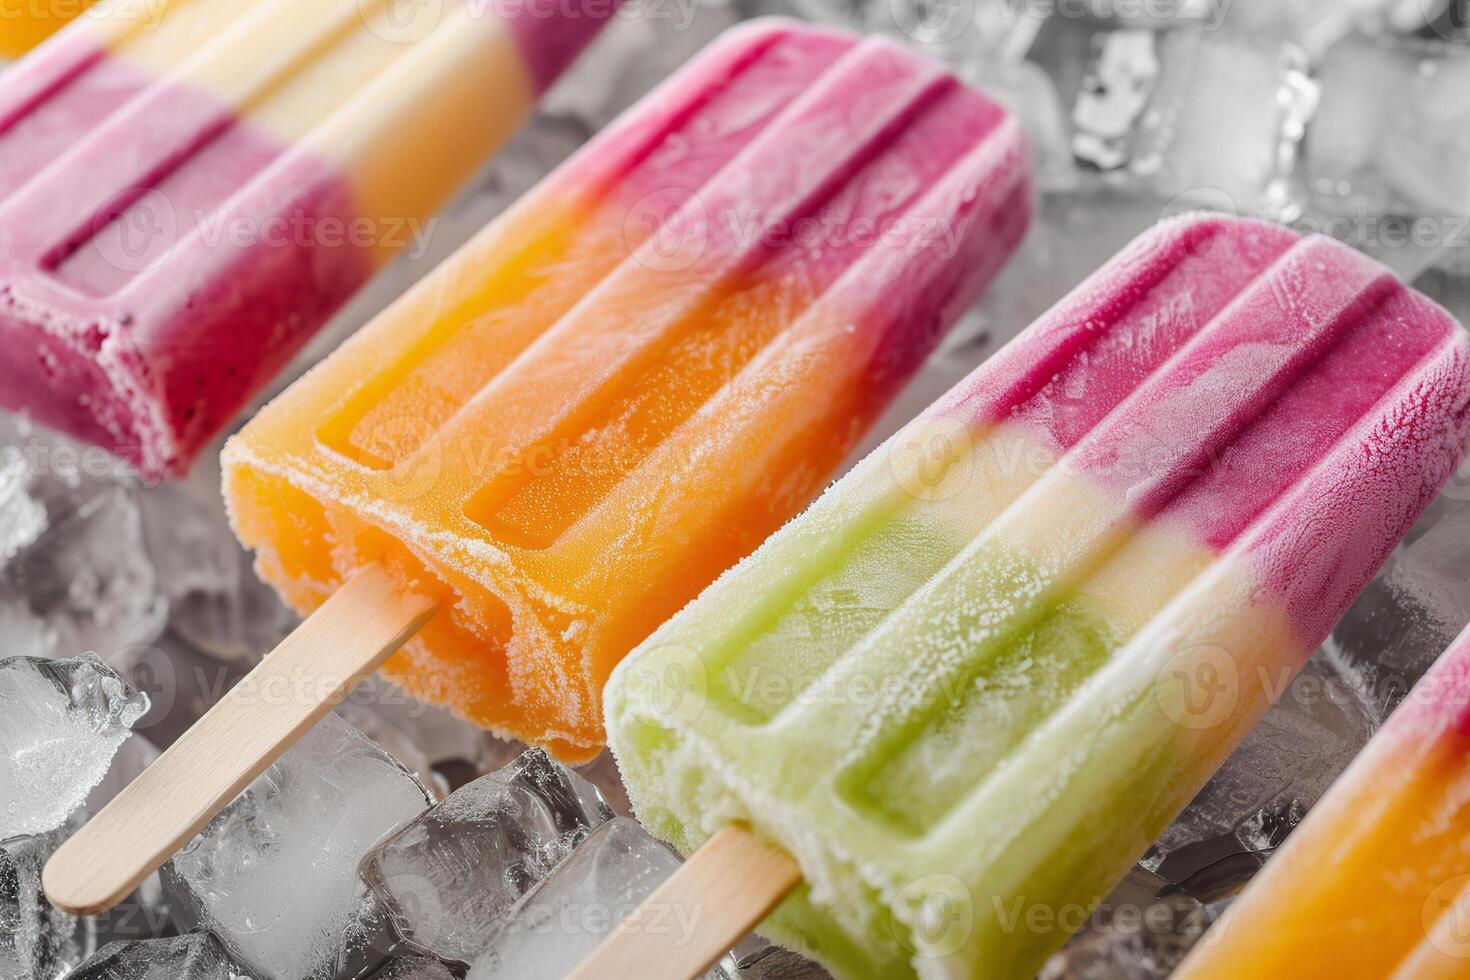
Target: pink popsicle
x,y
184,202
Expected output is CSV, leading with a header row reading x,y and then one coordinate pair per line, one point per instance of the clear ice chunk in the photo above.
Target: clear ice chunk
x,y
756,959
1142,931
602,772
1211,118
274,876
61,723
556,925
415,968
422,737
448,877
143,914
75,575
1312,23
1282,768
37,942
1392,135
216,601
198,956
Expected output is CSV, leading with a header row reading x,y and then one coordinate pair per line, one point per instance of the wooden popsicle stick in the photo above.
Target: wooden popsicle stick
x,y
735,880
251,727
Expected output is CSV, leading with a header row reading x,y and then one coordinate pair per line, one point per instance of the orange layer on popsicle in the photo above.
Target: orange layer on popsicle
x,y
1376,882
641,370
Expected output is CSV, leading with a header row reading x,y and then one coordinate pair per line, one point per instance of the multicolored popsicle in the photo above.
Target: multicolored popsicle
x,y
651,362
1376,882
970,685
189,189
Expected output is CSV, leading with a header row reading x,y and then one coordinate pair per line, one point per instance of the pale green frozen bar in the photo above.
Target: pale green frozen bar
x,y
970,685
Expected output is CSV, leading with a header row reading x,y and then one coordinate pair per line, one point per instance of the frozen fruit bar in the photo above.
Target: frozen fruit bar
x,y
1376,882
647,365
969,686
189,188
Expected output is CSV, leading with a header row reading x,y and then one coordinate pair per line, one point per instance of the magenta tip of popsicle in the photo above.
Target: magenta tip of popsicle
x,y
552,33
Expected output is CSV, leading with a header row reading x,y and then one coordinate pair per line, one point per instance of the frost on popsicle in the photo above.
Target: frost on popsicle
x,y
448,877
563,474
997,659
274,876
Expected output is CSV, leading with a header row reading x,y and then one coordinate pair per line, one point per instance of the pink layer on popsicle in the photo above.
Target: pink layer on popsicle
x,y
183,204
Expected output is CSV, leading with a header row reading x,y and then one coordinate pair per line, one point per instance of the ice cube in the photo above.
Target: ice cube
x,y
422,737
1281,769
415,968
449,876
61,722
274,876
37,942
198,956
216,601
1312,23
1142,931
22,517
562,920
84,584
181,683
143,914
1392,135
1190,113
602,773
756,959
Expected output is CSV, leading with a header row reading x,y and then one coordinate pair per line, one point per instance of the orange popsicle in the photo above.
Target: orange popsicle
x,y
1376,882
640,371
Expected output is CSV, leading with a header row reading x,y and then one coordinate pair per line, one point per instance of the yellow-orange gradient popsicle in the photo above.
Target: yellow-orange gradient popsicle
x,y
1375,884
645,367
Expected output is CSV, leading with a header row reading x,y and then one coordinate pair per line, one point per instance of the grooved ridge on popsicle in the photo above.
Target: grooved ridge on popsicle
x,y
983,657
653,360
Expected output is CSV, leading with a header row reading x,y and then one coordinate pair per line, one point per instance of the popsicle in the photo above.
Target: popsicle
x,y
1375,883
967,688
190,188
26,23
607,398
